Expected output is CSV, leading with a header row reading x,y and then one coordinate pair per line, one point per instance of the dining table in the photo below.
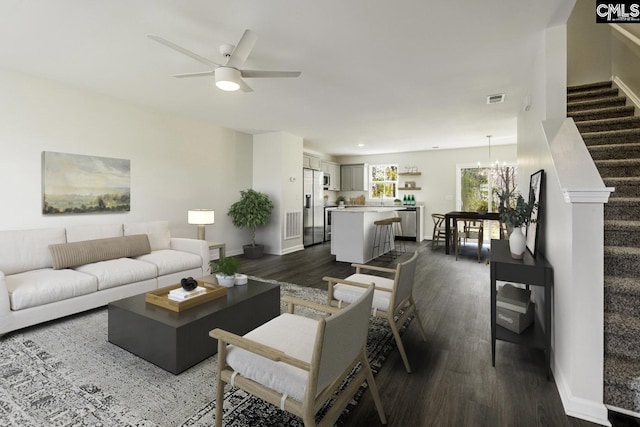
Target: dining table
x,y
450,217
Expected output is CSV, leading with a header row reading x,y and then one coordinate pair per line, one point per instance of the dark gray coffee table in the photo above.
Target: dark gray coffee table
x,y
176,341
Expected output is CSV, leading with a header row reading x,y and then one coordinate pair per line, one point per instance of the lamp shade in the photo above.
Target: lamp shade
x,y
201,216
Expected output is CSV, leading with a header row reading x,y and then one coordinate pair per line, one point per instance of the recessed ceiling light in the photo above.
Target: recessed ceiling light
x,y
360,145
435,147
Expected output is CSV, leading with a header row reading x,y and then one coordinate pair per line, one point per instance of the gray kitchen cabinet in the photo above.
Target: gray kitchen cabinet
x,y
333,171
354,177
311,162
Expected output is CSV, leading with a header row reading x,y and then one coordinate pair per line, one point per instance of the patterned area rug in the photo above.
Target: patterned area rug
x,y
66,373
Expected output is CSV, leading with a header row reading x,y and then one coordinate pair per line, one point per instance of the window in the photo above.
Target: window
x,y
384,181
479,189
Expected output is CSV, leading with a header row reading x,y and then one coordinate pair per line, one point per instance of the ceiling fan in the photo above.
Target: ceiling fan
x,y
228,76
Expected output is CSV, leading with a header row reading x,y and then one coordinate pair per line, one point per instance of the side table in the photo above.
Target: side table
x,y
529,271
219,246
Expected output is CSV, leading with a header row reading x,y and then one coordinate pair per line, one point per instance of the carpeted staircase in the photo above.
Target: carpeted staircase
x,y
612,135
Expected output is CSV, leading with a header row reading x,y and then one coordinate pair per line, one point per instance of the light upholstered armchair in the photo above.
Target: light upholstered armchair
x,y
298,363
392,300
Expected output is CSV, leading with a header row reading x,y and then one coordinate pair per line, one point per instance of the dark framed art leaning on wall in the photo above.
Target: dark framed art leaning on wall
x,y
78,184
535,191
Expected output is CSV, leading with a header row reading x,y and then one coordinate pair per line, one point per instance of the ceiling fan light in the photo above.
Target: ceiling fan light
x,y
227,79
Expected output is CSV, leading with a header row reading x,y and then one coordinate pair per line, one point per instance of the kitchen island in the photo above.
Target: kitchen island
x,y
353,231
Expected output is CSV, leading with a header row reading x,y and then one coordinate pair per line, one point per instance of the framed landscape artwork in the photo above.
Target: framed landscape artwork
x,y
535,189
77,184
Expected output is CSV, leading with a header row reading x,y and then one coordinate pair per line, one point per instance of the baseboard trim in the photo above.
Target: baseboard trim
x,y
631,96
623,411
588,410
292,249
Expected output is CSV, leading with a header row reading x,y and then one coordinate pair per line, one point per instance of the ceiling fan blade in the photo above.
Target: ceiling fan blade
x,y
244,86
199,74
242,50
183,50
263,73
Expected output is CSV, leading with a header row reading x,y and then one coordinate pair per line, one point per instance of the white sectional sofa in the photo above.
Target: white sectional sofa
x,y
49,273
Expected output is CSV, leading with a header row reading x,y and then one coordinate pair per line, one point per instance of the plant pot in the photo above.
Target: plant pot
x,y
241,279
517,243
253,252
226,281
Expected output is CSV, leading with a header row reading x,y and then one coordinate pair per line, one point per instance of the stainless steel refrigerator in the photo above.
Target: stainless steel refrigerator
x,y
313,192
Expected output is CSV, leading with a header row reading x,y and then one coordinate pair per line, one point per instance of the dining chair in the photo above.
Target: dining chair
x,y
471,229
393,299
298,363
439,230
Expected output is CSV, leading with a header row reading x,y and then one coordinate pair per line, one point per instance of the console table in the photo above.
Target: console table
x,y
531,272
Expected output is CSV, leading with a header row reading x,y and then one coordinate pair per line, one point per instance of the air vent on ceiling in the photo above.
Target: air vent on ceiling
x,y
495,99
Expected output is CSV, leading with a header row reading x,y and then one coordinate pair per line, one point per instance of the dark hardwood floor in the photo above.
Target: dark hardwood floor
x,y
453,383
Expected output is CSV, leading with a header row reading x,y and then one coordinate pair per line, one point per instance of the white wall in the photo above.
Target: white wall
x,y
589,46
176,163
277,169
573,248
438,174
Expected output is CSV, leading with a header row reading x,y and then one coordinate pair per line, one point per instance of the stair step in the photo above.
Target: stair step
x,y
592,94
628,186
601,125
623,209
612,137
622,295
622,336
618,167
622,233
615,151
613,101
622,383
589,86
602,113
622,261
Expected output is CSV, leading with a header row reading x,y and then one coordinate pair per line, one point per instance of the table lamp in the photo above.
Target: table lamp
x,y
200,217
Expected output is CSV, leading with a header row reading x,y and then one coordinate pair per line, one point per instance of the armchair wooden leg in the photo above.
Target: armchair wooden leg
x,y
417,316
398,338
374,388
222,353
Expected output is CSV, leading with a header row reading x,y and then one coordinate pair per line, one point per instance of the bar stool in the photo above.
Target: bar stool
x,y
383,227
397,231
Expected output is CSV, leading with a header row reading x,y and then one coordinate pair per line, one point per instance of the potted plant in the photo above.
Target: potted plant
x,y
225,270
253,209
515,217
340,200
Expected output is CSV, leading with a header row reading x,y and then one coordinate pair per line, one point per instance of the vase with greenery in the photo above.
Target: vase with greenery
x,y
253,209
515,217
225,270
340,200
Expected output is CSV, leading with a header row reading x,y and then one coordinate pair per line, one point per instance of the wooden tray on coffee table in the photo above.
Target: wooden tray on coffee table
x,y
160,297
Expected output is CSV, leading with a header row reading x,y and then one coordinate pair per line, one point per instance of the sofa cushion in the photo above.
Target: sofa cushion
x,y
24,250
37,287
121,271
169,261
79,253
158,232
91,232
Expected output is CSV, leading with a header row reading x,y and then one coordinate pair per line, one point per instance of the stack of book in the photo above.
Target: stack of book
x,y
180,294
514,309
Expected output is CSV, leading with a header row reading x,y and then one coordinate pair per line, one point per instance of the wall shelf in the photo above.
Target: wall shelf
x,y
410,188
410,173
